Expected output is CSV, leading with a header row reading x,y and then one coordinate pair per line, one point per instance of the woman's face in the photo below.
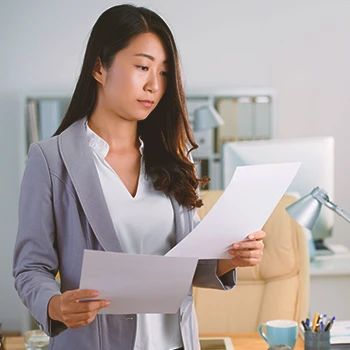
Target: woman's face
x,y
137,79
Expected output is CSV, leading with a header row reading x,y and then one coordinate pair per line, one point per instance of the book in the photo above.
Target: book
x,y
32,122
49,117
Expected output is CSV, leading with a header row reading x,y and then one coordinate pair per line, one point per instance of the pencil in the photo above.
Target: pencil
x,y
315,321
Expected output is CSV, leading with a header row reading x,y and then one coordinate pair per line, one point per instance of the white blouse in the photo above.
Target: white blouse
x,y
144,224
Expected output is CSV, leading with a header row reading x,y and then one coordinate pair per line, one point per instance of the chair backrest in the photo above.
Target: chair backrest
x,y
278,288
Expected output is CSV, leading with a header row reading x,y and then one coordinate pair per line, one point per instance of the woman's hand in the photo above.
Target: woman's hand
x,y
74,313
245,253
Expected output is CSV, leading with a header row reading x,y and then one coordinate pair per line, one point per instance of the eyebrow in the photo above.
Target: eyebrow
x,y
149,57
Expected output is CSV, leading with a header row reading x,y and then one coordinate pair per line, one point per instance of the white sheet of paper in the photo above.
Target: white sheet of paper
x,y
243,208
136,283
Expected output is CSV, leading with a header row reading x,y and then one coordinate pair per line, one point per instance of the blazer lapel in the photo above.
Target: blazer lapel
x,y
80,165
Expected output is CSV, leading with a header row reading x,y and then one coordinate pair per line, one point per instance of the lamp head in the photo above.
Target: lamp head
x,y
206,117
307,209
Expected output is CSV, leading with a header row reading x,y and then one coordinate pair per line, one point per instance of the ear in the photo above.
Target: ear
x,y
98,71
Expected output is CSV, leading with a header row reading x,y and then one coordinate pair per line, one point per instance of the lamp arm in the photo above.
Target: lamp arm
x,y
337,209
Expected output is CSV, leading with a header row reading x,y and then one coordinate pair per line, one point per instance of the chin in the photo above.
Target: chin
x,y
141,117
135,117
138,115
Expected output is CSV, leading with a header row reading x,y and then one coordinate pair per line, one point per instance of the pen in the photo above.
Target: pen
x,y
322,326
315,321
330,324
307,321
306,328
317,328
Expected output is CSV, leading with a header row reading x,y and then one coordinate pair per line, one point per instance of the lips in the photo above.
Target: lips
x,y
146,103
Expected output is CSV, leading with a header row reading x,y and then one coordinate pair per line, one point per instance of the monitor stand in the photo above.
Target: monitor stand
x,y
321,248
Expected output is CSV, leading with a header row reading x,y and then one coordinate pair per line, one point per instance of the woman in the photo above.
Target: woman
x,y
116,177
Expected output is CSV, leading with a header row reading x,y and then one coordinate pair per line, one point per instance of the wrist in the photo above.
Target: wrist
x,y
54,308
224,266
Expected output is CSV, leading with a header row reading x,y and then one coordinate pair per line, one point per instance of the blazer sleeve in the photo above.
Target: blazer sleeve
x,y
35,261
205,275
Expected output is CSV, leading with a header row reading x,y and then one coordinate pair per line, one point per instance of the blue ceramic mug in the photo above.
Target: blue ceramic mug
x,y
279,332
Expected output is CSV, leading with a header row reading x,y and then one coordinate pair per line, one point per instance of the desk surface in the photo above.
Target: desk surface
x,y
14,343
250,341
337,264
241,341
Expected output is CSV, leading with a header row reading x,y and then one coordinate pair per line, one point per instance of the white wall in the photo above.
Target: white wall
x,y
300,48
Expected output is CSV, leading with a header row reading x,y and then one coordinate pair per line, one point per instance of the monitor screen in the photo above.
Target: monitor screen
x,y
317,167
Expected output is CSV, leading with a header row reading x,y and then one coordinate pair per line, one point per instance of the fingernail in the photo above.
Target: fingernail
x,y
95,294
107,303
236,245
251,237
231,251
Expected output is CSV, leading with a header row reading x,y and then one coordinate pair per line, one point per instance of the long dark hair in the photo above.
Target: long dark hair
x,y
166,132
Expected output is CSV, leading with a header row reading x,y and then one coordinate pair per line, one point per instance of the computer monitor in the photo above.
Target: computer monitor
x,y
317,168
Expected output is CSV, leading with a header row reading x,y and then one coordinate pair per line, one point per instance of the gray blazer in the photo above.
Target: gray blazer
x,y
63,211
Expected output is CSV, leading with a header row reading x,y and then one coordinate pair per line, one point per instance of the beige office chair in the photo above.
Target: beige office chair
x,y
278,288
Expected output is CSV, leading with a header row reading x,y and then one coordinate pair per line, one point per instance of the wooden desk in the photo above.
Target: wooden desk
x,y
241,341
14,343
250,341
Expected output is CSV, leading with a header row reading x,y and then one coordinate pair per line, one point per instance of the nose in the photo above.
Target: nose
x,y
153,83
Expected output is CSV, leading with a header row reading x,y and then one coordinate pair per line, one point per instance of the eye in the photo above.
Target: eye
x,y
143,68
165,74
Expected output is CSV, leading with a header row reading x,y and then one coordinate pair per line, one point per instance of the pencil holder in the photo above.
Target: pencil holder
x,y
317,340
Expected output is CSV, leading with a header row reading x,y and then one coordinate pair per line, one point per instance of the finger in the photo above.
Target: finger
x,y
77,294
94,305
248,245
86,306
248,254
258,235
250,262
82,323
78,319
242,262
77,322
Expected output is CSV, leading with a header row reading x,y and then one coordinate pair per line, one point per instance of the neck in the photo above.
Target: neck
x,y
120,134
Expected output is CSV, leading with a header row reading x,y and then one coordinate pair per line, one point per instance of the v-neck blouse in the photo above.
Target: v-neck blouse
x,y
144,224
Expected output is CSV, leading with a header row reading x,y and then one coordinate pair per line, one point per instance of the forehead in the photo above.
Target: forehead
x,y
146,43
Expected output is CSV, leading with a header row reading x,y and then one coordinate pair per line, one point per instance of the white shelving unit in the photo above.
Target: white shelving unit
x,y
248,115
43,116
